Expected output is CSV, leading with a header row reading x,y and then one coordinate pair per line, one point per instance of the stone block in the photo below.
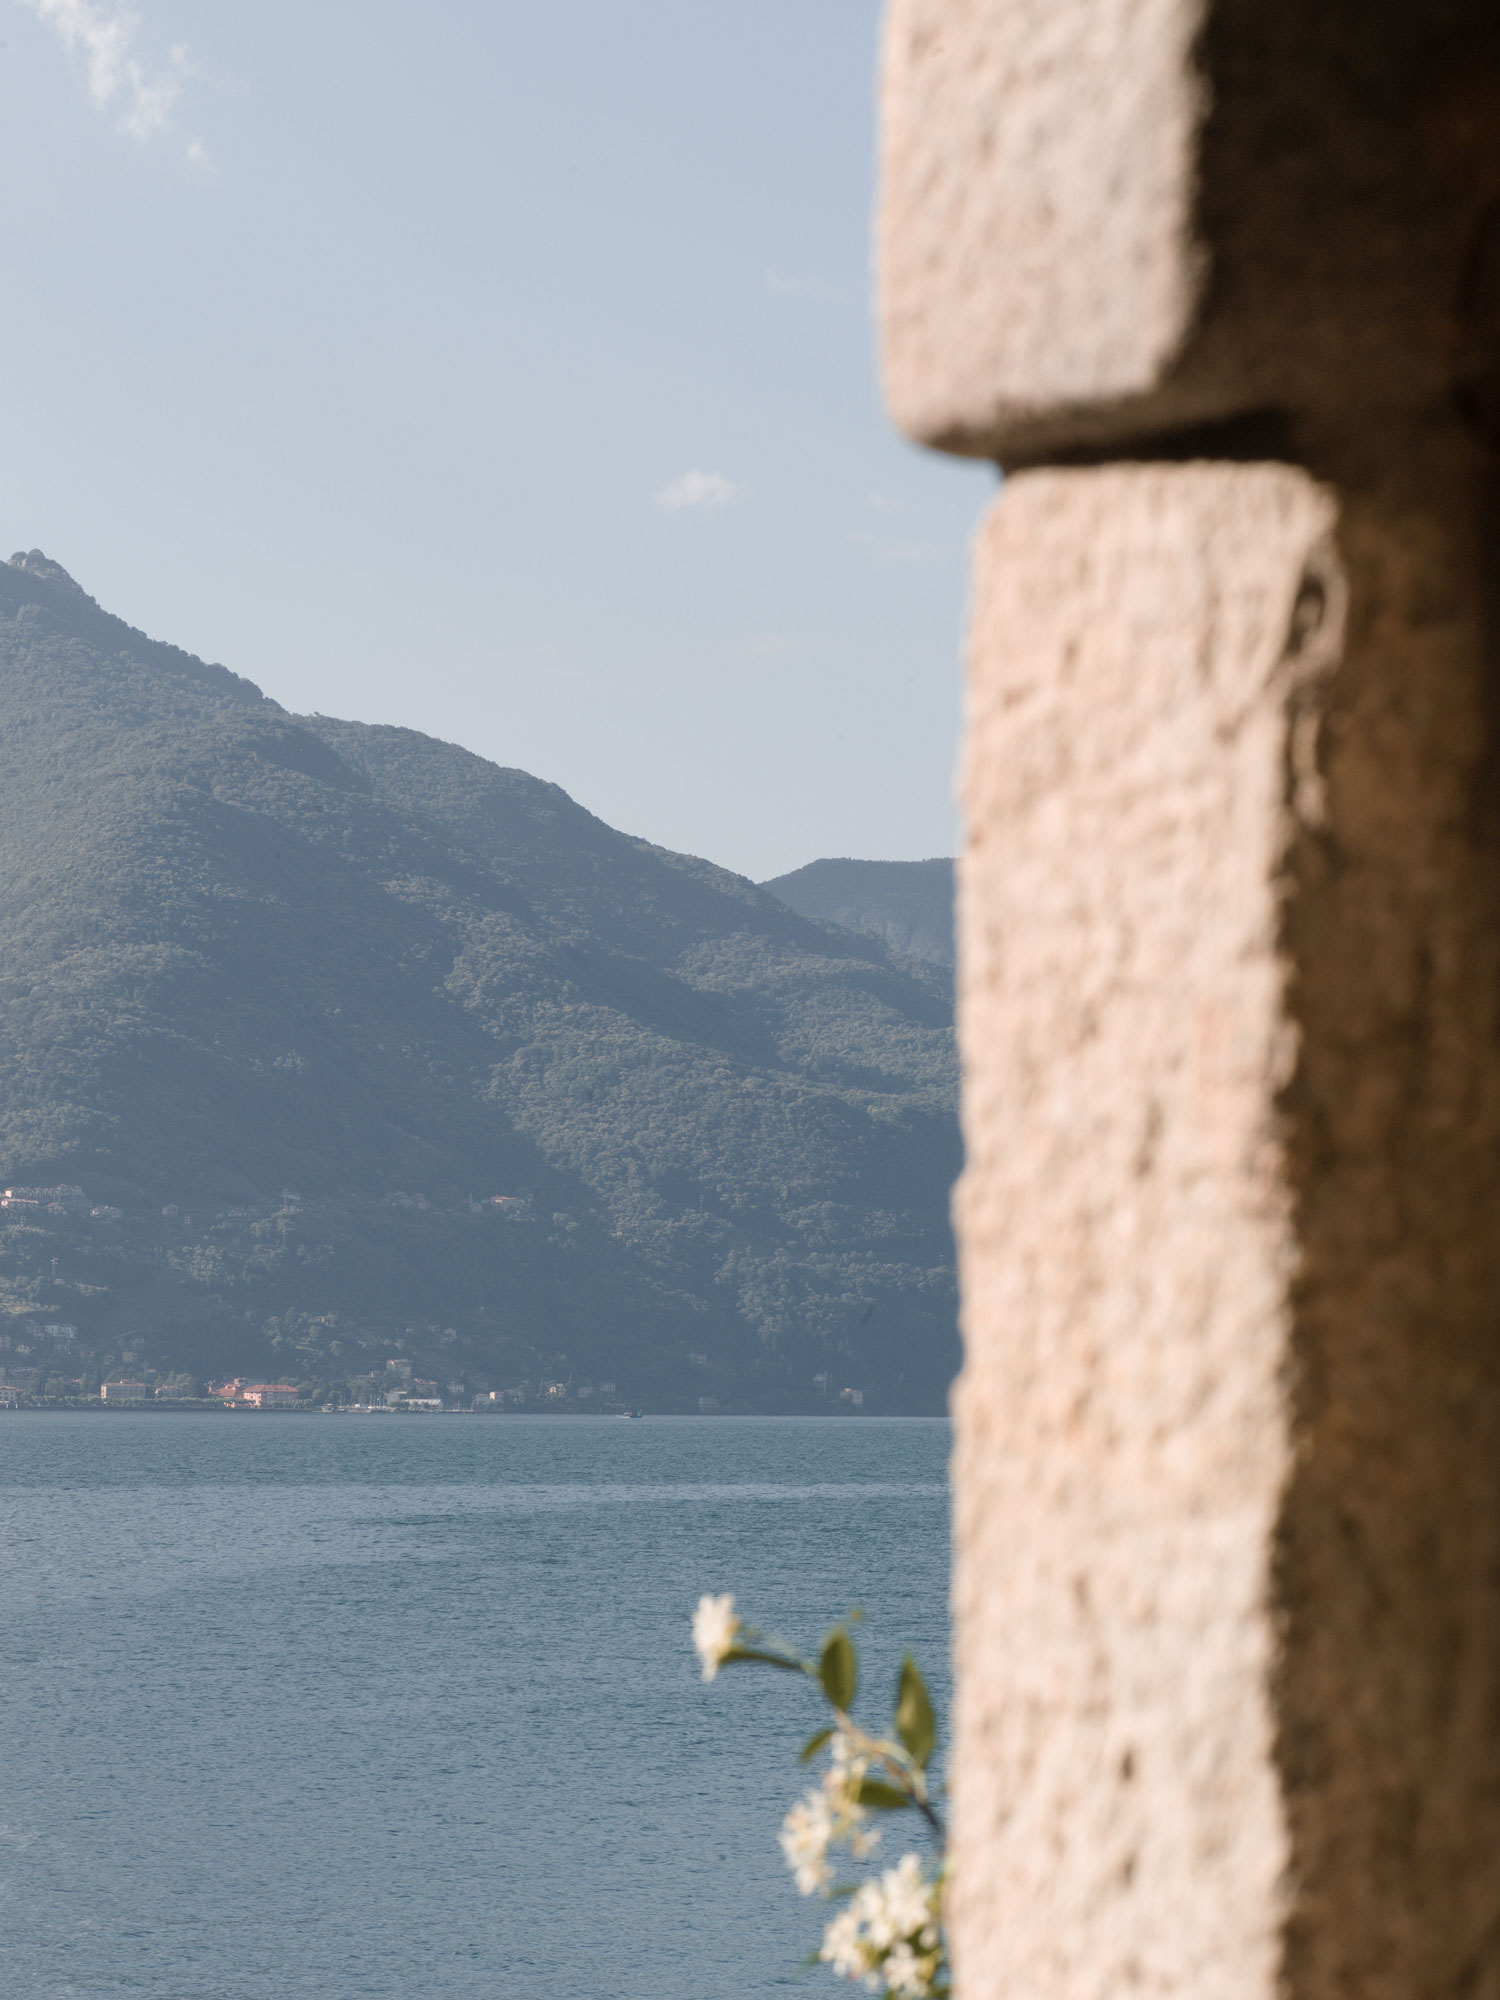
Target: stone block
x,y
1227,1587
1109,224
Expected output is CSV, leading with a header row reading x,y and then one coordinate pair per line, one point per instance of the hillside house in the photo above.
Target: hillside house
x,y
269,1395
67,1196
241,1394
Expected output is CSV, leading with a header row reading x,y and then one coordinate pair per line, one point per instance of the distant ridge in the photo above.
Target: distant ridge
x,y
907,903
32,579
323,1044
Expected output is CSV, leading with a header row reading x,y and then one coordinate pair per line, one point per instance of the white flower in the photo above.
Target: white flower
x,y
844,1777
906,1974
900,1903
716,1626
843,1948
805,1834
847,1755
888,1934
849,1762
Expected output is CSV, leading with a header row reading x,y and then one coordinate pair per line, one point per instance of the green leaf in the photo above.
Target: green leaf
x,y
882,1797
754,1653
914,1723
813,1745
837,1670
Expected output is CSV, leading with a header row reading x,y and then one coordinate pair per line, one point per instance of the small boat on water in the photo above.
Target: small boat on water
x,y
629,1413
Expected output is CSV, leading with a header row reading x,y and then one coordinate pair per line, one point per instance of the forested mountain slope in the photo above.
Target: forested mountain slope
x,y
298,998
909,904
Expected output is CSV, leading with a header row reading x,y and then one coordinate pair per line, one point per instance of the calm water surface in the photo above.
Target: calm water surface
x,y
302,1708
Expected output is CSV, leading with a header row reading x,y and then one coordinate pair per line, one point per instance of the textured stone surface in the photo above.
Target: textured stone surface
x,y
1108,220
1228,1466
1036,227
1228,1470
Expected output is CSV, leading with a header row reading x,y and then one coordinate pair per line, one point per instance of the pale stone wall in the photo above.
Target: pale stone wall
x,y
1126,1236
1227,1594
1104,220
1228,1473
1041,258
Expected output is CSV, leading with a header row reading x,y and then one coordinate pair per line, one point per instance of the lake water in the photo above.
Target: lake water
x,y
309,1708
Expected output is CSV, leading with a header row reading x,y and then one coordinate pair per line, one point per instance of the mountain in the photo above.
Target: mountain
x,y
324,1044
907,903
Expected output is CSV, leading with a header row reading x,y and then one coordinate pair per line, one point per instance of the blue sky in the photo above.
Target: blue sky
x,y
502,371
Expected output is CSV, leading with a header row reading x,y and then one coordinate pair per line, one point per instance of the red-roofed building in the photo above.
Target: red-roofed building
x,y
255,1395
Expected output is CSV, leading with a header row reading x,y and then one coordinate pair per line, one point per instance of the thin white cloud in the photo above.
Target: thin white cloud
x,y
102,40
698,489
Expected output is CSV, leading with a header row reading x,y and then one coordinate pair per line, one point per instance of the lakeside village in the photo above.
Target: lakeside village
x,y
39,1350
48,1363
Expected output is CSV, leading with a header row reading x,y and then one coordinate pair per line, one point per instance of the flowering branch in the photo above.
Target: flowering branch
x,y
890,1933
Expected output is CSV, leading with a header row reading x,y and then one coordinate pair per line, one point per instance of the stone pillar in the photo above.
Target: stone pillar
x,y
1224,282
